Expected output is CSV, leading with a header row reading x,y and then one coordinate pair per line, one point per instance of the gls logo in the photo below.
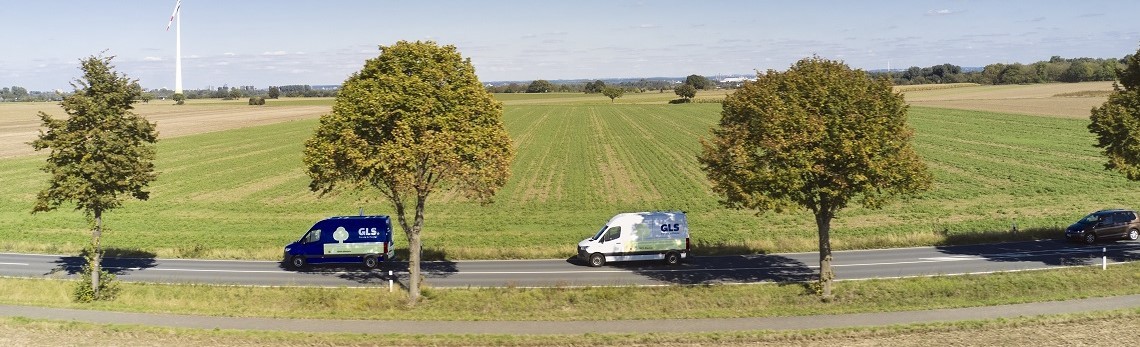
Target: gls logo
x,y
670,227
368,232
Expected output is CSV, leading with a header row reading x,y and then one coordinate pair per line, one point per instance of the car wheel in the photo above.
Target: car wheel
x,y
371,262
1133,234
672,258
1090,238
597,259
297,262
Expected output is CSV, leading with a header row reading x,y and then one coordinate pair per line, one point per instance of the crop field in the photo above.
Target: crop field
x,y
242,193
1068,100
20,122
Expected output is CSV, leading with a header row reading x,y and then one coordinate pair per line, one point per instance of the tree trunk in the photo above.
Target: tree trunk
x,y
95,258
823,223
415,250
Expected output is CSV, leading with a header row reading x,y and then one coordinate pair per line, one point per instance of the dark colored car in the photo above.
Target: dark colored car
x,y
1105,225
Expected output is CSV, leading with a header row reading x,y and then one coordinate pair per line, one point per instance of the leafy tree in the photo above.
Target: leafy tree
x,y
146,97
274,92
179,98
817,136
1116,123
595,87
613,93
413,121
698,81
685,91
540,86
101,154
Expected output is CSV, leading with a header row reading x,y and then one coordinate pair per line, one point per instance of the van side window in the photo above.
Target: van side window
x,y
314,236
612,234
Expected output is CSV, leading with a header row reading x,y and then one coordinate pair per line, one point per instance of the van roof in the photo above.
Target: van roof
x,y
356,217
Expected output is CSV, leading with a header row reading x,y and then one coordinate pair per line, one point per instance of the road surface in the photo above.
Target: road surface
x,y
849,265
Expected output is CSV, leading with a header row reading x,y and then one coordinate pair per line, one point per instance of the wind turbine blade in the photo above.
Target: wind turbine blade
x,y
177,5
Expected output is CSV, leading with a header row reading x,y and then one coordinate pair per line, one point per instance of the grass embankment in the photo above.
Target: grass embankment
x,y
562,304
1105,328
243,193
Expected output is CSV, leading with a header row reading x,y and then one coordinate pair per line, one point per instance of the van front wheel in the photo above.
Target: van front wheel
x,y
672,258
297,262
371,262
597,259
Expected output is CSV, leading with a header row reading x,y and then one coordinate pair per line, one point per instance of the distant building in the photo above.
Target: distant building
x,y
737,79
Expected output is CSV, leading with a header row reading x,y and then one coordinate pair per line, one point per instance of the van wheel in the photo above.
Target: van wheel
x,y
672,258
1133,234
370,262
297,262
597,259
1090,238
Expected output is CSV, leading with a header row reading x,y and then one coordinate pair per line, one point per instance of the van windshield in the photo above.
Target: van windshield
x,y
598,236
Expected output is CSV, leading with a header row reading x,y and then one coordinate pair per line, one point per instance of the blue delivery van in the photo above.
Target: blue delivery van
x,y
347,239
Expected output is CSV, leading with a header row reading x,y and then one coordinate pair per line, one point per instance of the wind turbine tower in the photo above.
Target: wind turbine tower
x,y
177,15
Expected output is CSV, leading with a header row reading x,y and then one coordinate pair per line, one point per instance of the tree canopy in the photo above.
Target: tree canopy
x,y
540,86
613,93
699,82
818,136
101,154
685,91
1116,123
414,120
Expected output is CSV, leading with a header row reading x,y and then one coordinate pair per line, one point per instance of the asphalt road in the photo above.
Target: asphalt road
x,y
849,265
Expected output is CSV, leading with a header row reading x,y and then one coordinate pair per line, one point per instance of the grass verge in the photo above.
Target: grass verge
x,y
564,304
1100,328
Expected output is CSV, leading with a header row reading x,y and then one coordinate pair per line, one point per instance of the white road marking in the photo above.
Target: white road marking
x,y
22,264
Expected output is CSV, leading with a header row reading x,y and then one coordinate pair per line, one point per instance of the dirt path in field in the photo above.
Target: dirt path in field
x,y
579,327
20,124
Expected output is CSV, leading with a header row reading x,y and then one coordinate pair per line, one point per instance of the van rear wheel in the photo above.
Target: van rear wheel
x,y
1090,238
1133,234
297,262
597,259
371,262
672,258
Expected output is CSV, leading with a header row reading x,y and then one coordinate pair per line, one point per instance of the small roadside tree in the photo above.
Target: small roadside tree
x,y
613,93
179,98
817,136
274,92
1116,123
686,92
413,121
100,155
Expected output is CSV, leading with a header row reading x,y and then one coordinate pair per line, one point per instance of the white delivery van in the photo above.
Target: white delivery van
x,y
638,236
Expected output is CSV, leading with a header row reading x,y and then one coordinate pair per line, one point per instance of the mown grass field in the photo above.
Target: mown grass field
x,y
242,193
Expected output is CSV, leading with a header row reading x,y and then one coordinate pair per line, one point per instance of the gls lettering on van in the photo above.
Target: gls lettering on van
x,y
671,227
369,233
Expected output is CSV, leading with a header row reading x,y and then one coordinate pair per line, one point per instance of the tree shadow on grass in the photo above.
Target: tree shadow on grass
x,y
116,261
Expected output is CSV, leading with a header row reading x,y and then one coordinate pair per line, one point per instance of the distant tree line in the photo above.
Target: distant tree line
x,y
17,93
1056,69
592,87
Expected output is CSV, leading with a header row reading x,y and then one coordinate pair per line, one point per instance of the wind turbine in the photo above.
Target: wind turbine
x,y
177,45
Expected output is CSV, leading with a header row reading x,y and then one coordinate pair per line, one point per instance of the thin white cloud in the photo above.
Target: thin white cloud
x,y
152,59
229,54
942,12
275,53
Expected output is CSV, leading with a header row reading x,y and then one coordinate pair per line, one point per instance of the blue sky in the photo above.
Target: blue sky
x,y
281,42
